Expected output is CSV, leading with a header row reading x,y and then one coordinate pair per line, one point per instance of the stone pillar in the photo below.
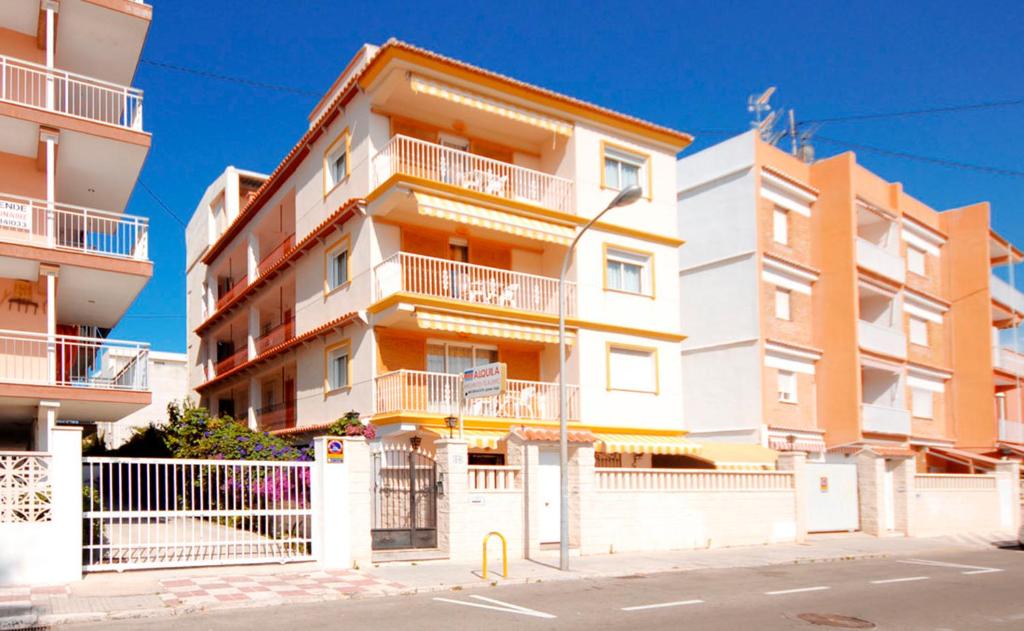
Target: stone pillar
x,y
340,490
357,459
1008,484
903,471
65,555
871,492
453,502
50,7
796,462
254,331
46,421
255,402
582,486
50,272
252,257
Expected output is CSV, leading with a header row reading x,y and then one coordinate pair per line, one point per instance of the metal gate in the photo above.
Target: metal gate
x,y
831,497
404,498
158,512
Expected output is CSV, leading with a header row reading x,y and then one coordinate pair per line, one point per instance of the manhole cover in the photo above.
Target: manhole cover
x,y
836,620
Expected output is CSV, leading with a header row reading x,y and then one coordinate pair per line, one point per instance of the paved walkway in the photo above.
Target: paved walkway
x,y
106,596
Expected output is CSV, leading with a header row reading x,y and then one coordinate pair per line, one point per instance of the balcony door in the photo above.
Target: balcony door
x,y
451,358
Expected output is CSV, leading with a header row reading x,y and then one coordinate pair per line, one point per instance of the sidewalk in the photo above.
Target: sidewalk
x,y
105,596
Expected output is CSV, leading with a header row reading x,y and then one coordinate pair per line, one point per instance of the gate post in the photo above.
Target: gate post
x,y
340,488
871,492
1008,485
452,502
796,462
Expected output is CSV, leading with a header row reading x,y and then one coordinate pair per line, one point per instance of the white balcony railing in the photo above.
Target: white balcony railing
x,y
1008,360
66,227
882,339
30,84
413,273
884,419
438,393
1011,431
80,362
881,261
1004,293
430,161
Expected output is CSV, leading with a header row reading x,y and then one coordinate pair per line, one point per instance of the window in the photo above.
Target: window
x,y
787,386
632,368
623,169
338,367
916,260
922,402
336,161
628,271
782,303
453,359
918,331
780,225
336,265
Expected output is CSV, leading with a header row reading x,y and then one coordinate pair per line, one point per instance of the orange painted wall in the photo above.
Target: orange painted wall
x,y
20,176
799,415
397,349
970,318
23,317
21,46
435,243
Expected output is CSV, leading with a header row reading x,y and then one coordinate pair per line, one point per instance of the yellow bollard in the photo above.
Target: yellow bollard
x,y
504,553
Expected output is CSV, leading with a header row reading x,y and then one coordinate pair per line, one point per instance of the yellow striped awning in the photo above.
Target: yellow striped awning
x,y
435,321
421,85
737,456
475,438
644,444
473,215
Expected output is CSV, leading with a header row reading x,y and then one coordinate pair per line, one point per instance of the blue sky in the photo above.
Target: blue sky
x,y
686,65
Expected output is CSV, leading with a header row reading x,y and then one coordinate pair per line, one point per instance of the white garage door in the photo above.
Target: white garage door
x,y
831,491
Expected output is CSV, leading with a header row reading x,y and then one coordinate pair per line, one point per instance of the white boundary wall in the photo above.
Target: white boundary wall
x,y
944,504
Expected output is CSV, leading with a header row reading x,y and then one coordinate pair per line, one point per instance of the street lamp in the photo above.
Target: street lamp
x,y
625,197
451,422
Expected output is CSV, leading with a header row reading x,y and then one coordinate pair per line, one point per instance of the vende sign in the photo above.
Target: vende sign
x,y
484,381
15,216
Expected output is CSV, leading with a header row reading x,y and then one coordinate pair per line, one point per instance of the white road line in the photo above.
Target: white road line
x,y
797,591
502,607
977,569
677,603
900,580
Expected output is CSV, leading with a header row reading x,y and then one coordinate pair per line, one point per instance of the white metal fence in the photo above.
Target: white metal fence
x,y
148,512
24,487
34,85
622,479
477,284
76,228
430,161
65,360
439,393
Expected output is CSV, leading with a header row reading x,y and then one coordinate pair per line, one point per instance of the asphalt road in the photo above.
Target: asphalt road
x,y
957,590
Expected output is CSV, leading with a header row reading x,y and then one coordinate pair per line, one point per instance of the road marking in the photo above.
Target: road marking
x,y
498,606
798,590
677,603
975,569
900,580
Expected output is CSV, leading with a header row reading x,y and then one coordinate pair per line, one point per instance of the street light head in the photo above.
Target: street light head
x,y
627,196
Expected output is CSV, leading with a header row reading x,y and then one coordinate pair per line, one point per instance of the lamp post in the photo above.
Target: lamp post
x,y
625,197
451,422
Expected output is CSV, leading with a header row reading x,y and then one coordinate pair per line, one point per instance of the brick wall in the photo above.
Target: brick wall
x,y
799,329
799,415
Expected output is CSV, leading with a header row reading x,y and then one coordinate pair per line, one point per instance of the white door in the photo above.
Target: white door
x,y
548,523
889,491
831,497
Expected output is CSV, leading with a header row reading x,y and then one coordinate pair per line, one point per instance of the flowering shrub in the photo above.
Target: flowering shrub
x,y
191,433
350,425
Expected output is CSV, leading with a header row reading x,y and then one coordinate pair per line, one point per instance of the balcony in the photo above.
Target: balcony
x,y
474,284
882,339
425,160
279,252
439,393
237,358
882,419
277,335
65,227
276,416
1011,431
1004,293
1009,360
32,85
78,362
235,289
881,261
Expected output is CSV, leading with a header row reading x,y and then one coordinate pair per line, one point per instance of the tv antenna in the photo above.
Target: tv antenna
x,y
758,104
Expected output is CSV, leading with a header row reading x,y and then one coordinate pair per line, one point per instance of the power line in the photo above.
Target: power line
x,y
161,203
953,164
921,112
239,80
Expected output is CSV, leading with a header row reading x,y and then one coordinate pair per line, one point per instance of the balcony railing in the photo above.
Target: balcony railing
x,y
430,161
441,278
276,416
66,227
277,335
237,358
1008,360
439,393
275,255
1004,293
80,362
882,339
1011,431
235,289
884,419
881,261
67,93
